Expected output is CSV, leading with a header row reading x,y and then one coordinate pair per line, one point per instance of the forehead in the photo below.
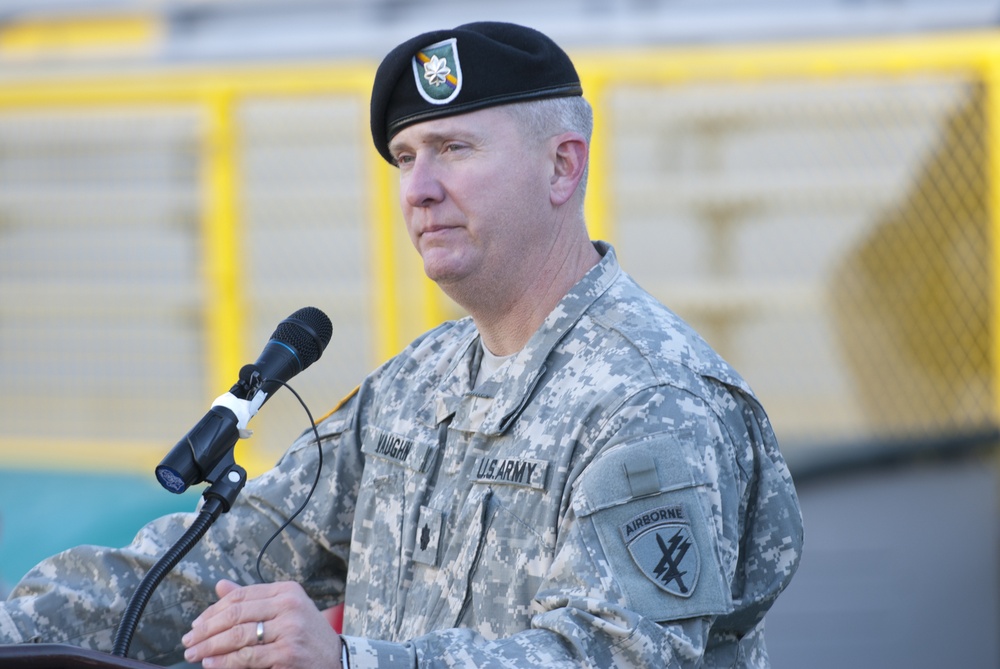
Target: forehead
x,y
480,125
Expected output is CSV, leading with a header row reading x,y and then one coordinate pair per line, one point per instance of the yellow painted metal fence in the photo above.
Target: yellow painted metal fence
x,y
824,213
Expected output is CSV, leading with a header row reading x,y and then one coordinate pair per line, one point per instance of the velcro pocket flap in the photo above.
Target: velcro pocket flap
x,y
649,505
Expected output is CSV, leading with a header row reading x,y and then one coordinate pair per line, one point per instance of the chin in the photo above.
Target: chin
x,y
441,276
444,268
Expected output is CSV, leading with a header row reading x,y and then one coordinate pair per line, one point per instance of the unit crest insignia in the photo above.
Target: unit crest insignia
x,y
438,72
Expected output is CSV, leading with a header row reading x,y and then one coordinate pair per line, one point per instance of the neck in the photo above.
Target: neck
x,y
506,325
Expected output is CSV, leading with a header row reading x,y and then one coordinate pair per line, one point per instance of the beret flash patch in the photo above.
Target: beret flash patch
x,y
662,545
438,73
502,63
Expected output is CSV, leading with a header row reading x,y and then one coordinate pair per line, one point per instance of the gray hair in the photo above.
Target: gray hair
x,y
545,118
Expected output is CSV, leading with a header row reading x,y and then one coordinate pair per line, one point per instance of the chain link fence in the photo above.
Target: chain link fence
x,y
829,230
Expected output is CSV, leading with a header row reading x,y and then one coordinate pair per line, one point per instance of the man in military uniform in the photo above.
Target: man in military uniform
x,y
568,477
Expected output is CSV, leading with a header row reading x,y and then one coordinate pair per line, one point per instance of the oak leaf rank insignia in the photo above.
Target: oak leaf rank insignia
x,y
438,73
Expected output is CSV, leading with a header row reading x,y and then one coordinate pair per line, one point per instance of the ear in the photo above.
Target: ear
x,y
569,161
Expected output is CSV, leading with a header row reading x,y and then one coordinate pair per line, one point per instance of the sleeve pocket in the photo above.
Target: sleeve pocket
x,y
648,504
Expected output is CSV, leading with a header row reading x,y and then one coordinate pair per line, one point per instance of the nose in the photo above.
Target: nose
x,y
420,185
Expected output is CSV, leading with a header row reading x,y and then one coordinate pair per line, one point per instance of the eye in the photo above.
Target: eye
x,y
455,147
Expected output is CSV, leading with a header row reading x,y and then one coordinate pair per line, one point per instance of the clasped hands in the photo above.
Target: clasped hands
x,y
266,626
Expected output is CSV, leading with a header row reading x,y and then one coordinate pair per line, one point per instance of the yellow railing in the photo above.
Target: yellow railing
x,y
404,303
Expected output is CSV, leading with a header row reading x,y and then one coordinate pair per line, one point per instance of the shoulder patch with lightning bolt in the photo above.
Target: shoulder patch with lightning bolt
x,y
662,545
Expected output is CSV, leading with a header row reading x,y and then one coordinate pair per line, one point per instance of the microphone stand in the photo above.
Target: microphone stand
x,y
227,479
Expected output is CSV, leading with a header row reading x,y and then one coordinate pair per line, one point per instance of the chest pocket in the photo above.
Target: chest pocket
x,y
388,500
651,512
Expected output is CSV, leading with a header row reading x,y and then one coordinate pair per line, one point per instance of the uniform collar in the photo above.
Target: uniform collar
x,y
510,388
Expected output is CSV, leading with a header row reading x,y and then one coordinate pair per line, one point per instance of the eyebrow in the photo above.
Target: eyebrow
x,y
436,137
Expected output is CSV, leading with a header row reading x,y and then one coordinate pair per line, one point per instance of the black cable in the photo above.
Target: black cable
x,y
315,484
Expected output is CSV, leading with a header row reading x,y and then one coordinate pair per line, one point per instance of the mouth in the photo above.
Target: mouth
x,y
432,232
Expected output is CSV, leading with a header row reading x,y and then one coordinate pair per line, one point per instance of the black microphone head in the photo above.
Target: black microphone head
x,y
298,342
308,331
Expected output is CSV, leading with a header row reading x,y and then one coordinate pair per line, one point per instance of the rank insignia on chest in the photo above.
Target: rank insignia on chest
x,y
428,538
662,545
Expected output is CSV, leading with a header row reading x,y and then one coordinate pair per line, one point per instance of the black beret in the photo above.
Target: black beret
x,y
474,66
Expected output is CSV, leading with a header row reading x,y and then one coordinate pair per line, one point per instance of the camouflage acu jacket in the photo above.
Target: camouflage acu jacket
x,y
613,496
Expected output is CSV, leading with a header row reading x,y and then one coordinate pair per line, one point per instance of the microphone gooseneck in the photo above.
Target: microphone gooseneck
x,y
206,452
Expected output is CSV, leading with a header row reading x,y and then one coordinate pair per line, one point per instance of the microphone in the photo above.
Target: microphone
x,y
205,452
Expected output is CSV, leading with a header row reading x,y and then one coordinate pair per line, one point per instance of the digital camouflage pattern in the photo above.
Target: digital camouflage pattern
x,y
613,496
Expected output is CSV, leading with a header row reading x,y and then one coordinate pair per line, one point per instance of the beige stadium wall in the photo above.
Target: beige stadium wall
x,y
824,213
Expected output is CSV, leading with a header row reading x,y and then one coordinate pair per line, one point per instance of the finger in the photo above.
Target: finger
x,y
248,657
237,604
231,623
233,592
232,641
221,618
225,586
224,626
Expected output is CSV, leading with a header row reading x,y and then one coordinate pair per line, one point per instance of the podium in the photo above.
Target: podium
x,y
63,656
